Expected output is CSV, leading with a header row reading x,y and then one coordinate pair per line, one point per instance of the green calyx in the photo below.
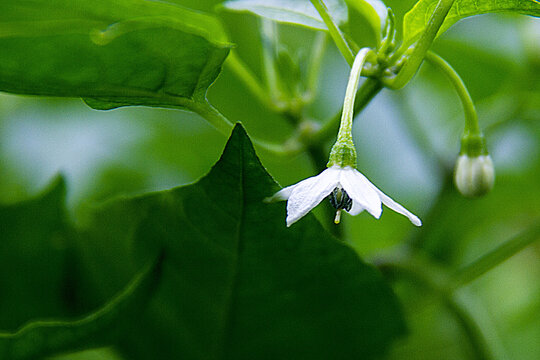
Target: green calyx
x,y
343,154
473,145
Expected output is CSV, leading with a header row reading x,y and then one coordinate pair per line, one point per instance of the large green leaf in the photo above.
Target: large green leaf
x,y
299,12
416,20
38,284
237,283
121,52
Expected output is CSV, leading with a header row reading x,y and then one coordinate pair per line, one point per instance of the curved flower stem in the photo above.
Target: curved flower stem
x,y
422,46
345,127
364,95
471,118
428,277
335,33
495,257
249,79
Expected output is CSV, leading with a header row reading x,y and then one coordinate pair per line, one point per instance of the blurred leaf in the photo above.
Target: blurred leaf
x,y
126,52
41,338
418,17
239,284
34,242
299,12
374,11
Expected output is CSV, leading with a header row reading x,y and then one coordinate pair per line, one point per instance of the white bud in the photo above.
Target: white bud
x,y
474,176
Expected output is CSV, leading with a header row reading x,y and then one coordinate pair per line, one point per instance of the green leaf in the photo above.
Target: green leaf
x,y
38,281
239,284
374,11
299,12
34,244
40,338
417,18
126,52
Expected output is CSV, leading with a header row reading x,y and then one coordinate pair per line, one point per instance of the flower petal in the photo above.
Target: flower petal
x,y
282,194
397,207
360,189
356,208
310,192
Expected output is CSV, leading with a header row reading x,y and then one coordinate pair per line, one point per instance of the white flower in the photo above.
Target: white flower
x,y
343,184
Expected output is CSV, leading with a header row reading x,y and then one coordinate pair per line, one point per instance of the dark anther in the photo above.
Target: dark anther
x,y
340,199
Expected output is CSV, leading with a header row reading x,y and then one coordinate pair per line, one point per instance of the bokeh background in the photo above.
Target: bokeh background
x,y
407,142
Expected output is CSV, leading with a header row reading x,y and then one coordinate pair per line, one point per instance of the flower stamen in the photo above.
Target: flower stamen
x,y
340,200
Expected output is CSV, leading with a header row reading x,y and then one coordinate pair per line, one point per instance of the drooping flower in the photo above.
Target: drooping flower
x,y
474,176
348,190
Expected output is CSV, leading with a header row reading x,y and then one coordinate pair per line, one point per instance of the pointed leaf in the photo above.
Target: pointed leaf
x,y
238,283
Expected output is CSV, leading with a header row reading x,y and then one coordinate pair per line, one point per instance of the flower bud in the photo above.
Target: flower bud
x,y
474,176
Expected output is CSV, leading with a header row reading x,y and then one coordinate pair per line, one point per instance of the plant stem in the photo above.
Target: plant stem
x,y
223,125
345,127
495,257
365,94
248,78
422,46
471,118
317,54
269,39
335,33
428,277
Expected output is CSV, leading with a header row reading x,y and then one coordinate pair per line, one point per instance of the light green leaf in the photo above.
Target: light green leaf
x,y
299,12
417,18
126,52
238,284
374,11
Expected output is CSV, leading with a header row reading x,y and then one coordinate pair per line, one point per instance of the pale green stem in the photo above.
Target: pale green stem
x,y
471,118
365,94
248,78
334,31
495,257
345,128
269,40
221,123
317,54
420,49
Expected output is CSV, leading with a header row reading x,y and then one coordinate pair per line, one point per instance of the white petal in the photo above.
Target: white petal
x,y
282,194
309,193
356,208
397,207
361,190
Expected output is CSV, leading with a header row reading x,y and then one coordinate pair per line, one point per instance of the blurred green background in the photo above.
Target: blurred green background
x,y
407,142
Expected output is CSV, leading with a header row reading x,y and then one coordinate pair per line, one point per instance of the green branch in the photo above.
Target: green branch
x,y
495,257
420,49
335,33
428,277
249,79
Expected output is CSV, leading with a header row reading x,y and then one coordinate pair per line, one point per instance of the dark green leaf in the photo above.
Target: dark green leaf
x,y
41,338
299,12
126,52
416,20
239,284
34,244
